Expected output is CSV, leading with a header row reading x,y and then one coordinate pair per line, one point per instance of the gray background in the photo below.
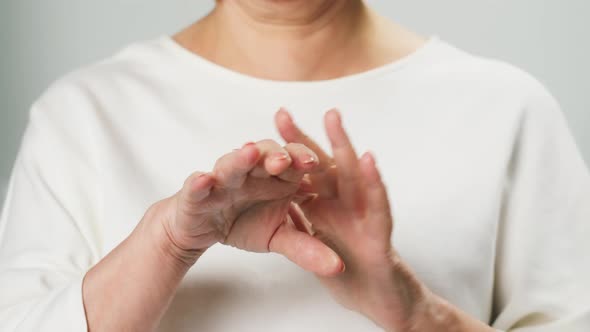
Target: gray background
x,y
42,40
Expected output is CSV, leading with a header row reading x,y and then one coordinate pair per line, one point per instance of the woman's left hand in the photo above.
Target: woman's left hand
x,y
352,215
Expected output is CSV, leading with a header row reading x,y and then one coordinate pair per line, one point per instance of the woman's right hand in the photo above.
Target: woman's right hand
x,y
244,202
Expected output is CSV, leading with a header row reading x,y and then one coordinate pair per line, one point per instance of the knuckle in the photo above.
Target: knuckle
x,y
296,147
191,178
349,178
222,160
187,187
269,144
188,206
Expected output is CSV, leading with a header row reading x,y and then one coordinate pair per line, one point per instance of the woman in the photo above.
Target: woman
x,y
108,225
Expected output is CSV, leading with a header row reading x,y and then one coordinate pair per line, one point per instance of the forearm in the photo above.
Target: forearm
x,y
405,304
437,314
131,288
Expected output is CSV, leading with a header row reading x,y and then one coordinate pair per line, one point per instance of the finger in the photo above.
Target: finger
x,y
303,198
232,169
306,185
300,220
305,192
378,205
273,159
323,180
304,160
292,134
197,187
306,251
349,178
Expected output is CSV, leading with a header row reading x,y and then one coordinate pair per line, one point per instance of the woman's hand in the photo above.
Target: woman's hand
x,y
351,213
244,202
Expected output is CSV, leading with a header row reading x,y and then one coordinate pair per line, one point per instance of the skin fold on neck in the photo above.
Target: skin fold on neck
x,y
297,40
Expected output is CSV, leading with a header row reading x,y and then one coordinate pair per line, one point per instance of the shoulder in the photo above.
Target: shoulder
x,y
489,78
86,89
75,109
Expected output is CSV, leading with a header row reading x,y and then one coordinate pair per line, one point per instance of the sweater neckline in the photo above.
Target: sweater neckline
x,y
204,64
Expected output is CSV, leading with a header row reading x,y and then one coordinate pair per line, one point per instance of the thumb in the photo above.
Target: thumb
x,y
305,250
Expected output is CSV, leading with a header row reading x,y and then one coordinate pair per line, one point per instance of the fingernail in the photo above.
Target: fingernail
x,y
309,160
248,144
279,156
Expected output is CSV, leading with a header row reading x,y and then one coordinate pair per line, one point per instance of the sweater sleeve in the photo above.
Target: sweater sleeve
x,y
542,280
48,233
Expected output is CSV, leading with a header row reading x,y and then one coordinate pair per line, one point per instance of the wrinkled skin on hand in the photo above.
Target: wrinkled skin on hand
x,y
351,213
244,202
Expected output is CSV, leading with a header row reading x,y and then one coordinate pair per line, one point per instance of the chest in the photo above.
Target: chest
x,y
444,178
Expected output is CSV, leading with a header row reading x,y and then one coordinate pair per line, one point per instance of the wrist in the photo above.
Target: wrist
x,y
397,298
410,306
156,225
435,314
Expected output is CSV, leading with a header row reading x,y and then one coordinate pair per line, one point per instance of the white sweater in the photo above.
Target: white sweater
x,y
490,196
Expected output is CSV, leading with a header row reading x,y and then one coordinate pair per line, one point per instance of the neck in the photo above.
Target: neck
x,y
295,40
